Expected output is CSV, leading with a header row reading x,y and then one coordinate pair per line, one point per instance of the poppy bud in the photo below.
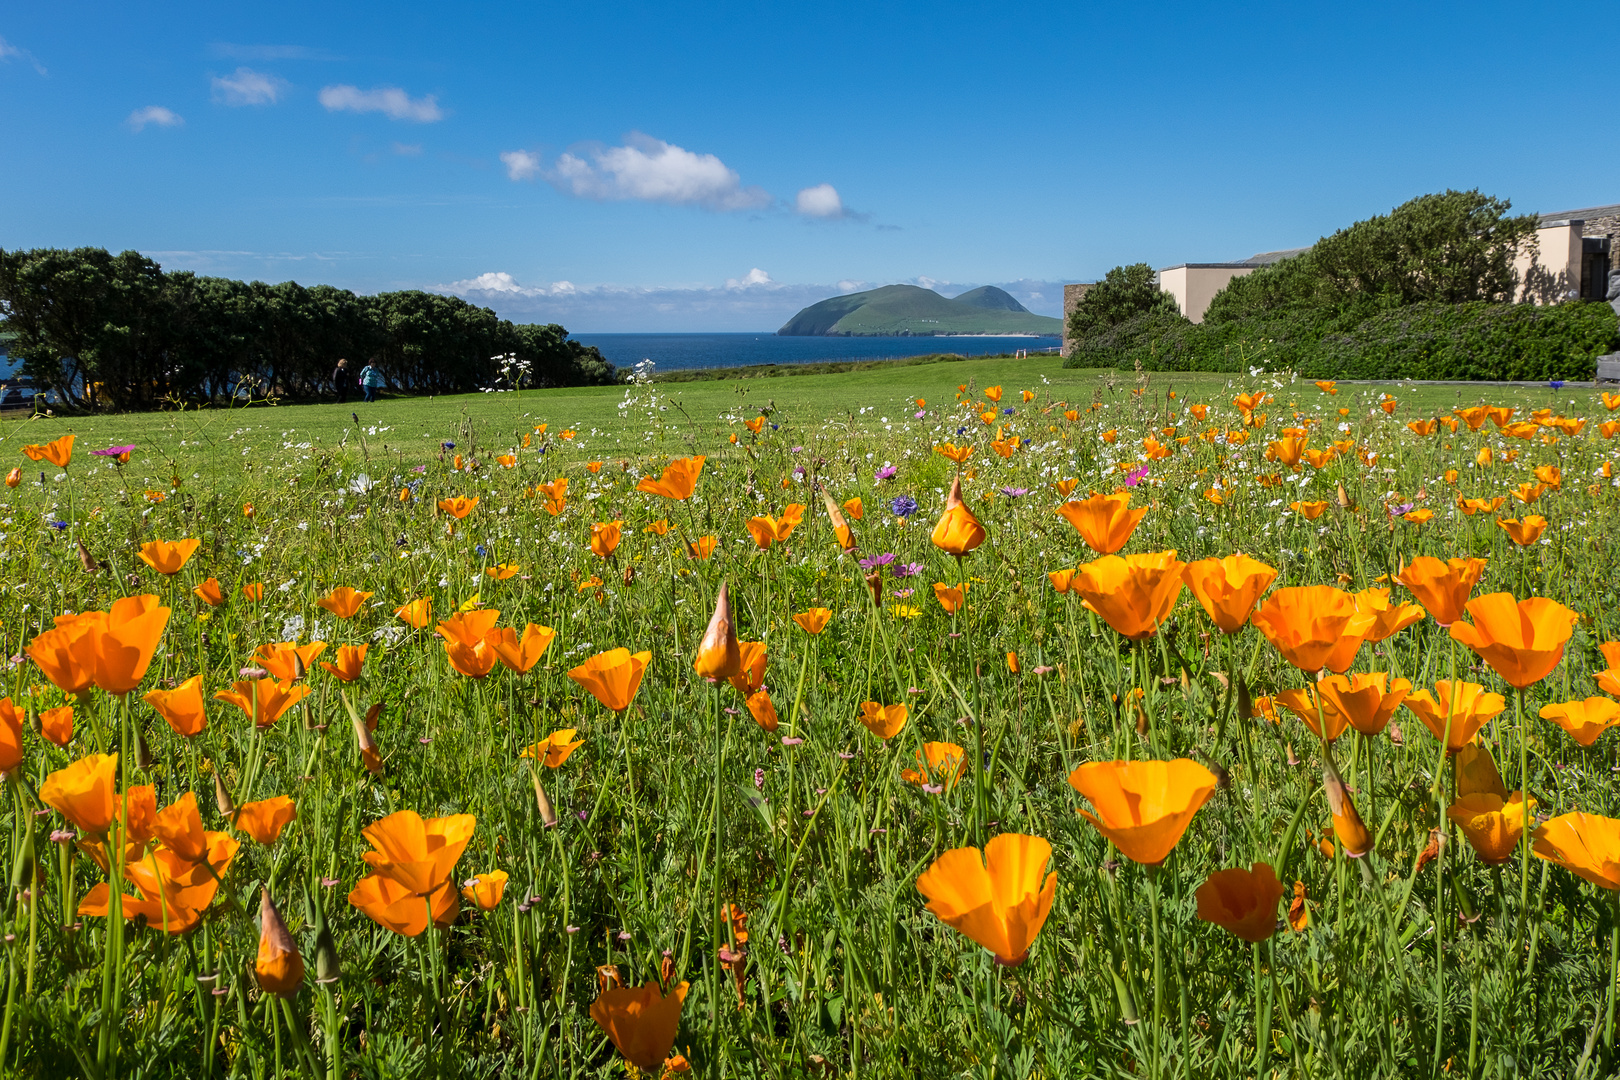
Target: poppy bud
x,y
143,753
841,529
86,559
958,531
13,478
666,967
279,967
719,656
874,581
222,797
328,969
1347,824
548,814
368,745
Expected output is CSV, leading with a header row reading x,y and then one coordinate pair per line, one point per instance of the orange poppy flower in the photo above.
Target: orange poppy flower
x,y
1287,450
1243,902
1366,700
279,967
1423,427
1473,708
468,627
762,710
718,656
1527,493
679,480
503,571
1584,844
951,598
641,1022
751,672
209,593
1491,825
702,547
554,749
1312,625
168,556
1062,581
1471,507
612,677
993,393
58,452
287,660
1229,588
605,537
1584,720
1386,620
416,613
350,659
179,828
1133,593
126,640
1144,807
999,898
657,528
475,659
516,653
11,745
253,591
814,620
958,454
416,852
1104,522
1353,836
941,762
343,601
768,530
1525,531
1310,511
83,793
485,891
884,721
458,507
1442,587
263,700
1304,702
66,654
958,532
1522,640
394,907
264,820
57,724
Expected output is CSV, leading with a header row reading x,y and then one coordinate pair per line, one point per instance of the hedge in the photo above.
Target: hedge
x,y
1474,341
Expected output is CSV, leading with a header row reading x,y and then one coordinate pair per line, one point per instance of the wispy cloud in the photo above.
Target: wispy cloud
x,y
651,170
520,164
229,51
153,114
10,52
407,149
391,101
248,87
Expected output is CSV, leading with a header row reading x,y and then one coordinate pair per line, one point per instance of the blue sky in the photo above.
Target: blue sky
x,y
717,166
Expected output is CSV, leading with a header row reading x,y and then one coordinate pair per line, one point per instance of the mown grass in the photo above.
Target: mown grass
x,y
1407,966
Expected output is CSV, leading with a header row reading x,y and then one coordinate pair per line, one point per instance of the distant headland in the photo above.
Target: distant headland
x,y
910,311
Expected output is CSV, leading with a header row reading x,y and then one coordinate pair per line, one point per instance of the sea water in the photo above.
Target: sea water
x,y
675,351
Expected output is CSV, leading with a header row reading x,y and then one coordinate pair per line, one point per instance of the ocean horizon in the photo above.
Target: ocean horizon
x,y
676,352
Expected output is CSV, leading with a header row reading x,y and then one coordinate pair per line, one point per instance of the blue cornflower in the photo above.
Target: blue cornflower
x,y
903,506
1008,411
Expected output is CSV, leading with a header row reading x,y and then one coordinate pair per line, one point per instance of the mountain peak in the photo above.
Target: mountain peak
x,y
913,310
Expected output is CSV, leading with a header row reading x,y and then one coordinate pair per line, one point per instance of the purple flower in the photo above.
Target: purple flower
x,y
788,740
798,470
887,472
876,561
1134,477
919,414
797,450
114,451
1014,492
420,469
903,506
759,779
905,570
447,445
1404,508
901,594
1008,411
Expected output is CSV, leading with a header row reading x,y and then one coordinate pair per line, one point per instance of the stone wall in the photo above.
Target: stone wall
x,y
1071,300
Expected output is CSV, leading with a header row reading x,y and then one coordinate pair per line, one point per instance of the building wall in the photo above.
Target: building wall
x,y
1071,300
1550,268
1195,286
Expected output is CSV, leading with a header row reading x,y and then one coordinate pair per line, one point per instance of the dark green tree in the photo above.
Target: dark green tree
x,y
1123,293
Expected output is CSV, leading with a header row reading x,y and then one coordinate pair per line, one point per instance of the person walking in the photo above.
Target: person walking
x,y
340,380
371,381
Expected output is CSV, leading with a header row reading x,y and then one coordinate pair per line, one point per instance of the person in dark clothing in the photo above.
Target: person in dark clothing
x,y
340,380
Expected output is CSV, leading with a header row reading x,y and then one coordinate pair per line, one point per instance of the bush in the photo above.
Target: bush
x,y
1475,341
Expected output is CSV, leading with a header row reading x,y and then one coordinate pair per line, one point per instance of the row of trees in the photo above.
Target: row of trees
x,y
1453,247
117,332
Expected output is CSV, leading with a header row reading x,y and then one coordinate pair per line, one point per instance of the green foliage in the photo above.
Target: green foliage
x,y
1475,341
908,309
1125,292
116,332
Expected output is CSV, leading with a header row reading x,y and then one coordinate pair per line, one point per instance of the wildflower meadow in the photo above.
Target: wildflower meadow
x,y
1036,727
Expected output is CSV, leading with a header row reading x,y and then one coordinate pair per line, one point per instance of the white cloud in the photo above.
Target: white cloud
x,y
248,87
652,170
391,101
10,52
407,149
153,114
520,164
821,201
754,277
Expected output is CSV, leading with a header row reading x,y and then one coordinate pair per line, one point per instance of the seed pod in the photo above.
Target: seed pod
x,y
548,813
143,752
222,796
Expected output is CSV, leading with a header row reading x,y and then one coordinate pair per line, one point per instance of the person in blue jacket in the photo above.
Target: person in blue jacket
x,y
371,381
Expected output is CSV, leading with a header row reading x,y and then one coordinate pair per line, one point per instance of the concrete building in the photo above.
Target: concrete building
x,y
1571,257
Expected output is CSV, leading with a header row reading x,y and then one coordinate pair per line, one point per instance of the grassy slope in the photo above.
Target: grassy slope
x,y
895,309
216,446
